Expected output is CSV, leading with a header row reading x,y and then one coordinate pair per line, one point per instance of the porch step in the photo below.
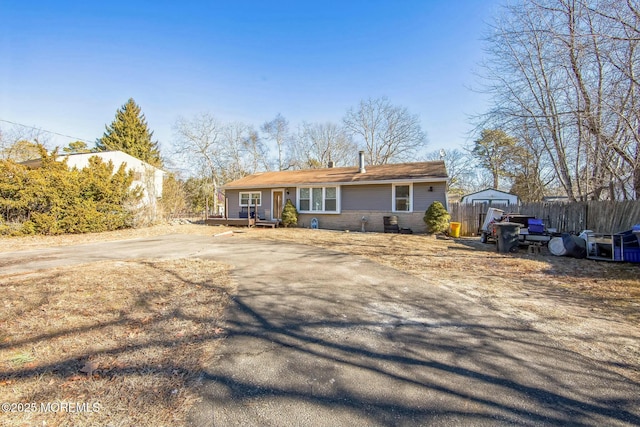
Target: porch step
x,y
272,224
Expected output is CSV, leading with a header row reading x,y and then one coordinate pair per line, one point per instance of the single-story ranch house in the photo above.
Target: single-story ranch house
x,y
341,198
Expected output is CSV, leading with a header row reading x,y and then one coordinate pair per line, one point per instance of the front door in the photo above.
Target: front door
x,y
276,204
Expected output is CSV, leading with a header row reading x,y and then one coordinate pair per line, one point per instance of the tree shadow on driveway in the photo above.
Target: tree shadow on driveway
x,y
367,345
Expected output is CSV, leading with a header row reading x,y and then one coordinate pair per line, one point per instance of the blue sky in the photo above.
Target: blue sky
x,y
68,66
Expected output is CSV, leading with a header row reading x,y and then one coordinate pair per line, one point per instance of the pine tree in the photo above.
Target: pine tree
x,y
129,133
76,147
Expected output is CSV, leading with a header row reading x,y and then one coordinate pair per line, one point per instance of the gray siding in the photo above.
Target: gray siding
x,y
371,201
366,197
291,196
422,197
233,201
352,220
378,197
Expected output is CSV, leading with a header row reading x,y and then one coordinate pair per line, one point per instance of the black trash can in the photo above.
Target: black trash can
x,y
507,236
575,246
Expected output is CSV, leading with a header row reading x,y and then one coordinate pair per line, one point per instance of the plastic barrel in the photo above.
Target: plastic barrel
x,y
507,238
455,229
556,246
575,246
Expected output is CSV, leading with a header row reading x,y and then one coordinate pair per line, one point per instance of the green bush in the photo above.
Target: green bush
x,y
28,228
289,214
437,218
52,199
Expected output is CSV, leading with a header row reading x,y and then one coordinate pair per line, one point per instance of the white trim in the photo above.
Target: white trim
x,y
273,190
324,198
393,196
240,193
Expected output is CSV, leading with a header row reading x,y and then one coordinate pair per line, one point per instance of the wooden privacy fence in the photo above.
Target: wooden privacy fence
x,y
599,216
471,217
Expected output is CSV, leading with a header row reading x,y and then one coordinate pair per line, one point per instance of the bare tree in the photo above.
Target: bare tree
x,y
460,169
20,143
564,73
320,143
277,130
198,143
387,133
219,152
242,151
257,152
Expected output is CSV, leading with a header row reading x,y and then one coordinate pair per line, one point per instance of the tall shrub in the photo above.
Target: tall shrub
x,y
289,214
52,199
437,218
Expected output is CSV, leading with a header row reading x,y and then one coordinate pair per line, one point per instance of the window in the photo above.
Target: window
x,y
318,199
250,199
330,199
402,198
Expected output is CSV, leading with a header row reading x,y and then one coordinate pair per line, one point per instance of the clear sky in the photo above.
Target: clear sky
x,y
68,66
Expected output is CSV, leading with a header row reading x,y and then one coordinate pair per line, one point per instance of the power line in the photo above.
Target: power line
x,y
47,131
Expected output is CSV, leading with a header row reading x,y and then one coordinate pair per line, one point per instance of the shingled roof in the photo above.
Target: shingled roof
x,y
415,172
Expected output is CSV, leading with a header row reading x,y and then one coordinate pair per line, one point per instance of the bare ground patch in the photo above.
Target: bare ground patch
x,y
129,336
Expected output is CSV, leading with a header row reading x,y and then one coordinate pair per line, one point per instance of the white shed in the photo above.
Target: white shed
x,y
490,196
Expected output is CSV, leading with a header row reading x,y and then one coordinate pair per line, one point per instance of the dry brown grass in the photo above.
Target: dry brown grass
x,y
589,306
130,336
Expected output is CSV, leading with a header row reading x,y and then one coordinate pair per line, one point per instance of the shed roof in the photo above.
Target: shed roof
x,y
414,172
36,163
489,189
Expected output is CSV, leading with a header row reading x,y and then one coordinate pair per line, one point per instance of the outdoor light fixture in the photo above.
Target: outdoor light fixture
x,y
430,188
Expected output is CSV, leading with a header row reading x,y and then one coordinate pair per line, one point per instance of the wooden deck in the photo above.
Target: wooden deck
x,y
241,222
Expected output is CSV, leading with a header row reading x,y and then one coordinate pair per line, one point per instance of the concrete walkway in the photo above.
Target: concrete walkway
x,y
317,338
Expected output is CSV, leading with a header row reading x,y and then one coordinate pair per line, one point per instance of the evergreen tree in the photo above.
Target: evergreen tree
x,y
53,199
129,133
437,218
76,147
495,149
289,214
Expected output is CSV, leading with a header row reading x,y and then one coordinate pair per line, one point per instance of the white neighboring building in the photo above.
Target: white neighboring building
x,y
148,177
490,196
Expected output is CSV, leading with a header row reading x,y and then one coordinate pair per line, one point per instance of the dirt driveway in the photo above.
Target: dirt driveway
x,y
317,337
